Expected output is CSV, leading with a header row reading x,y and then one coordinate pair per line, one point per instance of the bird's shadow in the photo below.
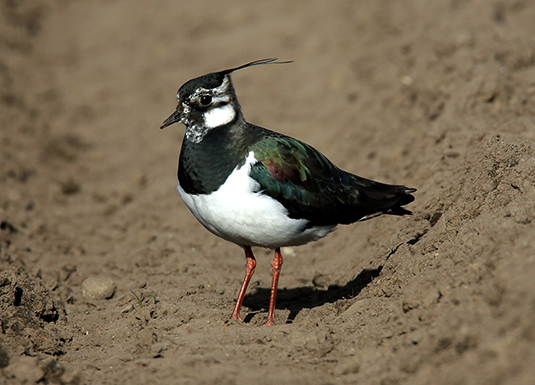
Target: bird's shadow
x,y
308,297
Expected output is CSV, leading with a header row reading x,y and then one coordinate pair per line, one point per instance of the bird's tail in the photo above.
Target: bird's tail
x,y
383,198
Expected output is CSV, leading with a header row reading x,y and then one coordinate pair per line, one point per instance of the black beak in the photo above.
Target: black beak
x,y
175,117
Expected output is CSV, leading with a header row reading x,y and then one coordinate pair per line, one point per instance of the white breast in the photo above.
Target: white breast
x,y
240,213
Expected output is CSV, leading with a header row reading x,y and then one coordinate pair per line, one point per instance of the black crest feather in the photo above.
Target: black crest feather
x,y
271,60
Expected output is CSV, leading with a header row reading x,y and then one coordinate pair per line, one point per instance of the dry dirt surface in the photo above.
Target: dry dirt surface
x,y
437,95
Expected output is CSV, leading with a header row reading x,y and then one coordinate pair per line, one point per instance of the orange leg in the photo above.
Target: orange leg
x,y
276,264
249,271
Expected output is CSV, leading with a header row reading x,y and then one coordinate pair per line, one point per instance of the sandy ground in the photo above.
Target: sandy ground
x,y
438,95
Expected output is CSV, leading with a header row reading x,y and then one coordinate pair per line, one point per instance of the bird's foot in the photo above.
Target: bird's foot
x,y
269,322
235,316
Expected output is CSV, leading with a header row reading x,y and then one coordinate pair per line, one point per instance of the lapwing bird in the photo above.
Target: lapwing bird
x,y
256,187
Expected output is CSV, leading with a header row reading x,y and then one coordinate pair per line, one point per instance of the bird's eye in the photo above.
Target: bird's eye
x,y
206,100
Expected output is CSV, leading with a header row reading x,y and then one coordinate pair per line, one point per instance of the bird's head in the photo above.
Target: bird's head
x,y
209,101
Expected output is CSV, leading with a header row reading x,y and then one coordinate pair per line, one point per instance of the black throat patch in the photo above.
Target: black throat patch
x,y
203,167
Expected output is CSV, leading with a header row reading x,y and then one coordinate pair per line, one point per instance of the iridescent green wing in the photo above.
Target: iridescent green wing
x,y
299,177
312,188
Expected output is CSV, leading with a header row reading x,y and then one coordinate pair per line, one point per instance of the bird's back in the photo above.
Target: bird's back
x,y
313,188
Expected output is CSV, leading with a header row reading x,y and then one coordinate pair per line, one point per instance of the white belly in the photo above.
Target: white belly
x,y
241,214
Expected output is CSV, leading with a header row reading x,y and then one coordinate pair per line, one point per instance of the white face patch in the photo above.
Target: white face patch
x,y
219,116
218,111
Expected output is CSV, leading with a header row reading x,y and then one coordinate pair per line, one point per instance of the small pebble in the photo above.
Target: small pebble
x,y
25,369
288,251
98,288
321,280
